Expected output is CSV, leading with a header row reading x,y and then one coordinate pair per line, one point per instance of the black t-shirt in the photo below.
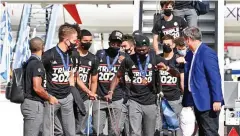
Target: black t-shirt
x,y
173,27
170,84
105,77
34,69
139,92
57,80
126,85
87,66
180,4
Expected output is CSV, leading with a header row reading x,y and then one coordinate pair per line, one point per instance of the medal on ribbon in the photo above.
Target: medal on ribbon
x,y
65,64
143,71
110,66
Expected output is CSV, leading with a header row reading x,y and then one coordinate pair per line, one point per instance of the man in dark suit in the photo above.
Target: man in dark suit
x,y
203,88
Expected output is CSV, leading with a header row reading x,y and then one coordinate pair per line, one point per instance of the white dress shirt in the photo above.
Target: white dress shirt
x,y
190,70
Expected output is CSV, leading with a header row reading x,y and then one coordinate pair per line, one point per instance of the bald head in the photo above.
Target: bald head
x,y
36,45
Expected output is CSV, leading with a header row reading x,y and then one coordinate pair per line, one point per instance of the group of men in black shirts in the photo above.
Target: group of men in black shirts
x,y
121,83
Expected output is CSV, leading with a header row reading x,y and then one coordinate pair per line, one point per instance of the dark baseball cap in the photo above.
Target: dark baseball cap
x,y
116,35
137,32
142,40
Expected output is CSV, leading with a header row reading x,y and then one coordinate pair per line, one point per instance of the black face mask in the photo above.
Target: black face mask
x,y
71,47
166,48
167,12
113,50
142,55
128,51
86,46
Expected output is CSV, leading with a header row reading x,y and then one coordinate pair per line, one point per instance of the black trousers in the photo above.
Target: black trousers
x,y
208,122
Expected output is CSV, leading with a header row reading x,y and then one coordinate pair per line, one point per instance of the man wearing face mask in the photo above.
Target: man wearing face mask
x,y
186,116
87,65
171,85
110,103
142,71
167,25
57,63
181,52
127,46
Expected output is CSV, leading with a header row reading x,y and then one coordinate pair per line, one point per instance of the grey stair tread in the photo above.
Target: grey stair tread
x,y
151,5
205,28
205,22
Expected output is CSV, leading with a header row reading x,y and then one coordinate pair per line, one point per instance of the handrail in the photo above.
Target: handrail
x,y
19,27
141,16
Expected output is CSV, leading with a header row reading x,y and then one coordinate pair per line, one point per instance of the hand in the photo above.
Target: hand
x,y
161,66
181,60
92,96
53,100
121,58
217,106
109,96
71,79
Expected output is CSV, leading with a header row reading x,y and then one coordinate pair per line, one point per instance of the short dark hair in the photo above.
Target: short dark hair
x,y
36,44
179,41
65,29
129,39
85,32
78,29
167,2
167,37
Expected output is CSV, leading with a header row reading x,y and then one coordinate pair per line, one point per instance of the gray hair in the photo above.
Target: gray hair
x,y
192,32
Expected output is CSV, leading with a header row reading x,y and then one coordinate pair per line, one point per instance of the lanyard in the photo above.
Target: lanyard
x,y
143,72
66,66
110,66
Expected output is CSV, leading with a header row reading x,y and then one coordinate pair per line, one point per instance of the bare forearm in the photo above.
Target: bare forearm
x,y
42,93
114,83
94,86
182,81
182,86
155,44
83,86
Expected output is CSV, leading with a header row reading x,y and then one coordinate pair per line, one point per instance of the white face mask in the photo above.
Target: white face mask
x,y
182,52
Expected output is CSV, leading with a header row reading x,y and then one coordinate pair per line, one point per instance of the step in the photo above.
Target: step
x,y
207,38
204,27
151,5
210,17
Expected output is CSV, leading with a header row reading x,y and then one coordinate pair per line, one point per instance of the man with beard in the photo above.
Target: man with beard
x,y
57,63
168,24
142,68
171,85
88,73
109,106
